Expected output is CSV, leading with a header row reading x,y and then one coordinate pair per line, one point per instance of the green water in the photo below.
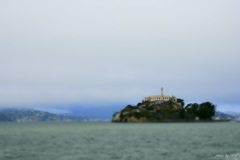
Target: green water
x,y
110,141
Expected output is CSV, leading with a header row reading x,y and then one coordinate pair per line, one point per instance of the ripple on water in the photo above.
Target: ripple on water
x,y
108,141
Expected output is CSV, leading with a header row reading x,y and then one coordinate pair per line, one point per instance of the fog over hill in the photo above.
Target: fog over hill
x,y
106,112
30,115
73,114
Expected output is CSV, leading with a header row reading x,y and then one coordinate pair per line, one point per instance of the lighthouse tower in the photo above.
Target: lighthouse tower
x,y
160,98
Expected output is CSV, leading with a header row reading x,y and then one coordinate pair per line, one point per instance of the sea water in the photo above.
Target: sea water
x,y
119,141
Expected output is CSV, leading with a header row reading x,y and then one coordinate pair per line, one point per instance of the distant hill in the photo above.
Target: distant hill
x,y
235,114
30,115
226,115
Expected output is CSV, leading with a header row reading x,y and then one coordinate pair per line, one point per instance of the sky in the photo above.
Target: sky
x,y
96,53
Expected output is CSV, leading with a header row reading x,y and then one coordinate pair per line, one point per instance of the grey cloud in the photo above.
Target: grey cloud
x,y
78,51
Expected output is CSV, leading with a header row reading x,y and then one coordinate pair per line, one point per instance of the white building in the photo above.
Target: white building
x,y
160,98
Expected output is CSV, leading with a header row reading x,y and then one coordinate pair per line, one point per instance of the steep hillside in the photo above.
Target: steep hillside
x,y
150,112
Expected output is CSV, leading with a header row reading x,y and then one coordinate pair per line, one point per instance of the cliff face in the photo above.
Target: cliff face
x,y
150,112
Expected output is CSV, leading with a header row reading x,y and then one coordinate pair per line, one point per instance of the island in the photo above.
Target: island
x,y
163,108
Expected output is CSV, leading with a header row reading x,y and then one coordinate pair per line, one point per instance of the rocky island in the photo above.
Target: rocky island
x,y
163,108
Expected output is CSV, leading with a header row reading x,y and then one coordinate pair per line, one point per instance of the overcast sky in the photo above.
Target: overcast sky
x,y
90,51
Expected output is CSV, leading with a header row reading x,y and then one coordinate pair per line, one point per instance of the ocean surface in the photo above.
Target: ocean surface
x,y
119,141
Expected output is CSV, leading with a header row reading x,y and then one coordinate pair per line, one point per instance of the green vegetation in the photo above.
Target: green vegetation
x,y
204,110
165,111
180,101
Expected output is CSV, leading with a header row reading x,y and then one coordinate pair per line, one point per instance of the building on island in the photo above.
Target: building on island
x,y
160,98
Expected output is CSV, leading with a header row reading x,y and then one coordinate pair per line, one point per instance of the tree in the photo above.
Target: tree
x,y
182,113
181,101
206,110
195,106
188,106
192,109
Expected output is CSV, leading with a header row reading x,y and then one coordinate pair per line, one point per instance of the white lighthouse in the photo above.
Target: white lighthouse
x,y
162,92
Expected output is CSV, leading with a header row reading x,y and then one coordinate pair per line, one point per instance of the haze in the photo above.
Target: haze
x,y
106,52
